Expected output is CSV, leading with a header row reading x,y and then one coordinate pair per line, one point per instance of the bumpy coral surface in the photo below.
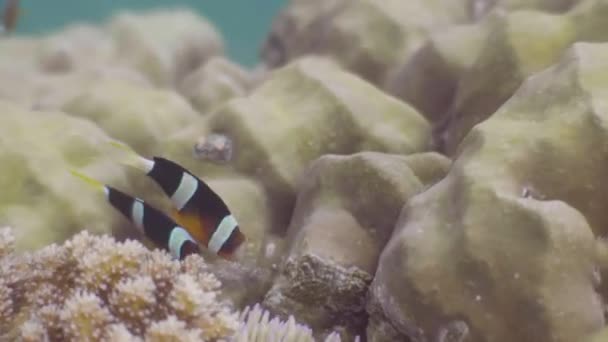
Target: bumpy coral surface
x,y
214,83
366,36
322,153
345,213
518,44
117,107
37,150
93,288
165,45
507,238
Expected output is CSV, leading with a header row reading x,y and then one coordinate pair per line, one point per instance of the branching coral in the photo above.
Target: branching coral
x,y
93,288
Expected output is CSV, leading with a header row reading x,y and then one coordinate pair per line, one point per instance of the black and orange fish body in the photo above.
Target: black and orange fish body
x,y
199,217
158,227
151,222
198,208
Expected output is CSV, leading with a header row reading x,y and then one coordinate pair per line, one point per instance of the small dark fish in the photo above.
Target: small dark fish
x,y
200,216
10,16
155,225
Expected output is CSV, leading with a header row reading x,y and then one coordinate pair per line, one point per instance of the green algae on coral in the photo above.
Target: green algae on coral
x,y
215,82
38,193
366,37
164,45
519,44
345,214
510,231
134,114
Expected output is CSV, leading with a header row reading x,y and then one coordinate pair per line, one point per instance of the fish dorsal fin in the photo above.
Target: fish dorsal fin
x,y
133,159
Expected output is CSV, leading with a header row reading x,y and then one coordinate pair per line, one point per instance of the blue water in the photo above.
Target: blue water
x,y
243,23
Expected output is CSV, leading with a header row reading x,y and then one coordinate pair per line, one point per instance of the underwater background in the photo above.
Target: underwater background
x,y
394,170
243,24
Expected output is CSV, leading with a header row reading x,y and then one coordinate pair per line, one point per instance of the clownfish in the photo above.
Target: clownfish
x,y
199,215
10,16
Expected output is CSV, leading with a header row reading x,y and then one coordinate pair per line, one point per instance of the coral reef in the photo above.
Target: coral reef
x,y
78,46
328,154
600,336
519,44
38,194
118,107
259,327
430,78
215,82
96,289
365,36
510,230
479,8
165,45
345,213
374,39
315,108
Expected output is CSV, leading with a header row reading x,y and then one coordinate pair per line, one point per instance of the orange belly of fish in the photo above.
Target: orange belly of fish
x,y
195,225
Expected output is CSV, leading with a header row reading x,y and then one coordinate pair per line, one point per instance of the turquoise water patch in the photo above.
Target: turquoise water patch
x,y
243,24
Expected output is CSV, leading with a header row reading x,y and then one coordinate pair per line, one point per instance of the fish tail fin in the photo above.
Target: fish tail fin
x,y
132,158
93,182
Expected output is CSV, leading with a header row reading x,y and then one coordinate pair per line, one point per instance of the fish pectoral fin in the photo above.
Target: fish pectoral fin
x,y
193,223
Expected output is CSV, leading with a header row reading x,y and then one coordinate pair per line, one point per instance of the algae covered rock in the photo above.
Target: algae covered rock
x,y
165,45
305,110
19,51
18,58
368,37
507,239
429,79
47,72
345,213
214,83
52,91
518,44
39,195
479,8
77,46
600,336
140,116
521,43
